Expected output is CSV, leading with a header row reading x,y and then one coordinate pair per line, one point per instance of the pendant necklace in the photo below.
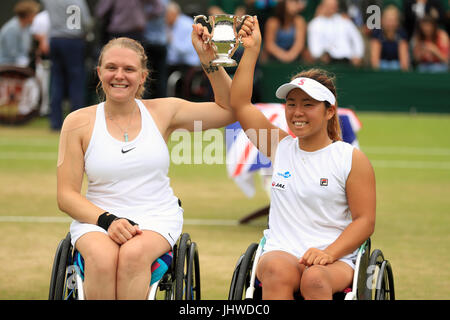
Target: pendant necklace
x,y
125,132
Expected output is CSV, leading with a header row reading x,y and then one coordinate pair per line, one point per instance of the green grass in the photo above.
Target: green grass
x,y
411,158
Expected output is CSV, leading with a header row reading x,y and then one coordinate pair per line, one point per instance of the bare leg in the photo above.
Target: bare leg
x,y
135,259
320,282
100,254
279,273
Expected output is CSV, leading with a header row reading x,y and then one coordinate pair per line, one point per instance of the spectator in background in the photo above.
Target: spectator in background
x,y
415,10
70,21
15,36
285,32
263,9
389,48
40,29
331,37
431,46
180,52
236,7
123,18
155,44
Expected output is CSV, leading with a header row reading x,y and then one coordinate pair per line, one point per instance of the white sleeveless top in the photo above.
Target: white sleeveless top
x,y
129,177
309,206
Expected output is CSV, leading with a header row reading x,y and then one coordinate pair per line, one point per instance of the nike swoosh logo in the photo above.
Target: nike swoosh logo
x,y
125,151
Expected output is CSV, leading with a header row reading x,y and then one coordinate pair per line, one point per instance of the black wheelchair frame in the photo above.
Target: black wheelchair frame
x,y
180,282
373,279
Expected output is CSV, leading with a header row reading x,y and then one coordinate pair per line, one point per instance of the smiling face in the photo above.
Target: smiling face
x,y
305,116
121,73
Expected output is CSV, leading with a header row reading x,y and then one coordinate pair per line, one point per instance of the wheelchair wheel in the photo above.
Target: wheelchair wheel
x,y
20,95
193,274
373,271
384,289
187,270
242,273
362,272
60,263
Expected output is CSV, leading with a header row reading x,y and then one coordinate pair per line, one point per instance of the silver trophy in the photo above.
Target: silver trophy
x,y
224,39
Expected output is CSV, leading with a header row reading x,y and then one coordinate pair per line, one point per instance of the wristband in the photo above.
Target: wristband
x,y
105,220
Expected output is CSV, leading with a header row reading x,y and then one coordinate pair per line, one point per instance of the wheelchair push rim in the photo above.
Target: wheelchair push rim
x,y
187,270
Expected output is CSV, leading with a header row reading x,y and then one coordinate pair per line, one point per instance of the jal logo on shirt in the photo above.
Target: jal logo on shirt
x,y
279,186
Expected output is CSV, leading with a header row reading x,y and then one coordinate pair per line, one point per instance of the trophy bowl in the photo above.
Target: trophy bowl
x,y
224,38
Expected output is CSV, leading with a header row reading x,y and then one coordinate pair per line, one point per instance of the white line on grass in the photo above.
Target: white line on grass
x,y
406,150
25,219
395,164
28,155
402,164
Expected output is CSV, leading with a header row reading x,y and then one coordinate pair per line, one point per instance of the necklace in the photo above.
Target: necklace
x,y
125,132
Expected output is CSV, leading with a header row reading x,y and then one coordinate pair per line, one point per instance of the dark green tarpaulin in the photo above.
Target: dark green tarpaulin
x,y
369,90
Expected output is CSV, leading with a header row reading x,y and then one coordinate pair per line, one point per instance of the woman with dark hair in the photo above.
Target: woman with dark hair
x,y
285,32
431,46
323,190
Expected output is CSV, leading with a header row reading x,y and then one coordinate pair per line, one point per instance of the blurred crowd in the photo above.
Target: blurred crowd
x,y
56,38
382,34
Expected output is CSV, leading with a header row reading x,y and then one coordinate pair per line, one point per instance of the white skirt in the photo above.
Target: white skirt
x,y
167,224
273,245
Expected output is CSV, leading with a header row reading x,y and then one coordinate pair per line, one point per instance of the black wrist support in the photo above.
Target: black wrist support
x,y
106,218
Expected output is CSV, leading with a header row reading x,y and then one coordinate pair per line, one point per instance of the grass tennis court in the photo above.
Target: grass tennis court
x,y
410,154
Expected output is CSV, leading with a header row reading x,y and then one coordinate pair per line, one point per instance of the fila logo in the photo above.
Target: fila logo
x,y
278,185
323,182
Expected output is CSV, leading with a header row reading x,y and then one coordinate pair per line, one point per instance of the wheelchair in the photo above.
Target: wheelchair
x,y
20,95
373,278
175,275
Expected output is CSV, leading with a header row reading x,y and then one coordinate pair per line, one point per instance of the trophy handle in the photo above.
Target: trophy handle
x,y
241,20
208,21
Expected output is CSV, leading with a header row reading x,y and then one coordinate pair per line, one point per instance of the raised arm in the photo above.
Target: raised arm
x,y
253,121
212,114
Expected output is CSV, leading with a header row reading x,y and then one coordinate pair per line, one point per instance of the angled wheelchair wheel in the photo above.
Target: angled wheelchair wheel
x,y
384,288
361,282
234,278
241,276
61,261
187,270
373,270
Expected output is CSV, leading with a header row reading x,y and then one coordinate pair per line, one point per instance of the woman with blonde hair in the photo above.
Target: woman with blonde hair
x,y
129,216
389,48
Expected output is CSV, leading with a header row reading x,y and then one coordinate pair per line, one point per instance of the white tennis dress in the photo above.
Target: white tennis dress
x,y
309,206
129,179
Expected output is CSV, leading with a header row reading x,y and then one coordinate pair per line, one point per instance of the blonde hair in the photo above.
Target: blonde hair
x,y
326,79
25,8
124,42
